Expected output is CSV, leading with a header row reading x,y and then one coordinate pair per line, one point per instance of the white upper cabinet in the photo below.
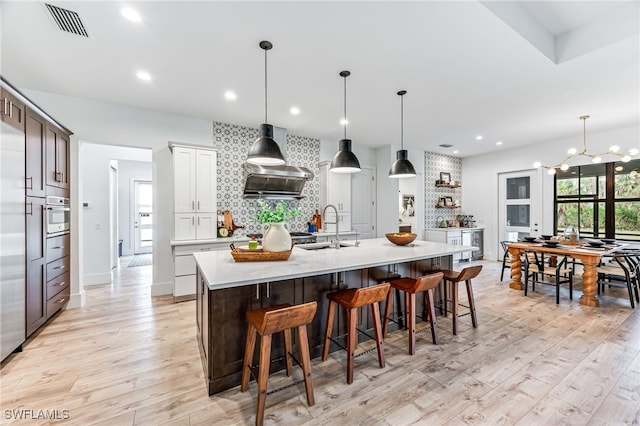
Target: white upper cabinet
x,y
194,189
335,188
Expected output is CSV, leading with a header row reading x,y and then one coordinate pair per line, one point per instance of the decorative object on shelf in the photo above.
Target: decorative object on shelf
x,y
445,178
595,158
402,167
345,161
401,238
448,201
265,149
277,237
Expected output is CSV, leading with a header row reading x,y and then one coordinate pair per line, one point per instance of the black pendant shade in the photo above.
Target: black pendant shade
x,y
345,161
265,149
402,167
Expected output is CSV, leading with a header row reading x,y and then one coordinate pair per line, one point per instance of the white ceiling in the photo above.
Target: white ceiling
x,y
469,67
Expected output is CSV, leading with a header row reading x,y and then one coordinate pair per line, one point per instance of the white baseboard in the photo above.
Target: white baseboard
x,y
77,300
160,289
96,279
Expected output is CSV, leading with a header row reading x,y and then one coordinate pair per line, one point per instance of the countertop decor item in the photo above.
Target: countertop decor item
x,y
265,149
595,158
345,161
258,255
401,238
402,167
277,237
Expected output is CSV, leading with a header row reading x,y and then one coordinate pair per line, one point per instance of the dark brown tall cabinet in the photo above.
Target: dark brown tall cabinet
x,y
46,173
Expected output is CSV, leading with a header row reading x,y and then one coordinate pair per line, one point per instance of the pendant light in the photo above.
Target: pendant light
x,y
345,161
402,167
265,149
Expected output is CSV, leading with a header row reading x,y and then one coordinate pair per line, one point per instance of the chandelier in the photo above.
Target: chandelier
x,y
595,158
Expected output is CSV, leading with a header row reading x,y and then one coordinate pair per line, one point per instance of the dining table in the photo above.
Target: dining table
x,y
582,251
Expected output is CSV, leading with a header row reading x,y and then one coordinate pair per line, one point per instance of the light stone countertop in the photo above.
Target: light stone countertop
x,y
221,271
225,240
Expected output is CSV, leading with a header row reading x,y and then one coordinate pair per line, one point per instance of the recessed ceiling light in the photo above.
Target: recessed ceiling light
x,y
456,151
230,95
499,143
479,137
143,75
294,110
131,14
344,121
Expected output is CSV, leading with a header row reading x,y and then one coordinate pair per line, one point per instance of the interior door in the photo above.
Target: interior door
x,y
143,216
113,216
363,202
520,212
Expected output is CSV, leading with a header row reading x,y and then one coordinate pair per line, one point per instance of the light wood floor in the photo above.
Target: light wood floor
x,y
126,358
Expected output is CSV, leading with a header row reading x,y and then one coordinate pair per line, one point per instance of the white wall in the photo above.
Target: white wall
x,y
480,177
128,173
115,124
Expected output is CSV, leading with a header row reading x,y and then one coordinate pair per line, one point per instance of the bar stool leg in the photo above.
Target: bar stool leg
x,y
303,345
454,306
329,330
472,304
287,351
431,313
387,312
352,338
248,357
263,375
375,312
411,321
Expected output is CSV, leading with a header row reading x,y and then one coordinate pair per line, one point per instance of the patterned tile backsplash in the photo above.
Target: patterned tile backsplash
x,y
232,143
436,163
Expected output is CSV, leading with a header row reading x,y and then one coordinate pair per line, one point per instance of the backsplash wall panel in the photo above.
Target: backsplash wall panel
x,y
232,143
434,164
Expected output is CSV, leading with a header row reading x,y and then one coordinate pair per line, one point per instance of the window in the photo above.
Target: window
x,y
601,200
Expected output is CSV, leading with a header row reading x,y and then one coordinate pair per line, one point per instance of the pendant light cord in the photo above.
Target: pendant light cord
x,y
265,86
401,122
345,107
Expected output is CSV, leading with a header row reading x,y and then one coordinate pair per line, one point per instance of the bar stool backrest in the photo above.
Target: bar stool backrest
x,y
469,273
427,282
368,295
293,316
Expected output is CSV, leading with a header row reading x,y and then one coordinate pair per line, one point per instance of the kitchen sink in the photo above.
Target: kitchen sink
x,y
324,245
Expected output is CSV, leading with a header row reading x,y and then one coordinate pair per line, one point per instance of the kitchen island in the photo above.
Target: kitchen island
x,y
226,290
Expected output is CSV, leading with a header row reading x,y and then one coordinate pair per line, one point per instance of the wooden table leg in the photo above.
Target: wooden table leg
x,y
516,268
589,283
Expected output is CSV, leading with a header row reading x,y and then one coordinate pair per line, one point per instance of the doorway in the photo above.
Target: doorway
x,y
142,216
363,202
520,210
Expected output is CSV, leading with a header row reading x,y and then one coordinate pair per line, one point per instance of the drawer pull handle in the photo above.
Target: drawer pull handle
x,y
61,284
29,210
4,109
57,248
61,301
10,109
30,186
59,267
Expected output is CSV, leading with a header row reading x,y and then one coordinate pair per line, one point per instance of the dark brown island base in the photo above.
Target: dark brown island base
x,y
226,290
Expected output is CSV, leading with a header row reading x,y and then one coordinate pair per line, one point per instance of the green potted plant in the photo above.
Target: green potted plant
x,y
277,237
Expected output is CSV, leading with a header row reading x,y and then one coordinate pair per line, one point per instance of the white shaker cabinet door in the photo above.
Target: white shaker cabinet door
x,y
205,181
184,226
184,179
206,226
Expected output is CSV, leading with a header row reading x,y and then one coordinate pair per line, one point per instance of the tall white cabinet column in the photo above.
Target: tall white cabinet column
x,y
335,188
194,184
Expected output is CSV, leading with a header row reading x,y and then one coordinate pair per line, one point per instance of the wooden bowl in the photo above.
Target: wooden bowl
x,y
401,238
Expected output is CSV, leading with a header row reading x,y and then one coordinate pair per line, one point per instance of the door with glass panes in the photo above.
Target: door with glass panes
x,y
143,217
520,211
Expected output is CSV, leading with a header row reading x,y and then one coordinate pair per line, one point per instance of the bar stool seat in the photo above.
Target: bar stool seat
x,y
451,279
265,322
411,286
352,299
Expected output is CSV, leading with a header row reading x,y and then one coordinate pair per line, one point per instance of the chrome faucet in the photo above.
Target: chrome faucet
x,y
324,219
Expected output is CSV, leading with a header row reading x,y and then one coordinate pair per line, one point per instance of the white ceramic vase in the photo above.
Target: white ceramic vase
x,y
276,238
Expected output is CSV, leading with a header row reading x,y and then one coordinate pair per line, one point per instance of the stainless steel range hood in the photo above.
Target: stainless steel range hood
x,y
275,182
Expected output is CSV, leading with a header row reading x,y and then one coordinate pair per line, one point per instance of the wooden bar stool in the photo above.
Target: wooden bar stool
x,y
352,299
265,322
451,279
410,287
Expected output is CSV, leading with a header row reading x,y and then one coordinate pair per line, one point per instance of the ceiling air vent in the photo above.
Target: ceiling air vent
x,y
67,20
445,145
